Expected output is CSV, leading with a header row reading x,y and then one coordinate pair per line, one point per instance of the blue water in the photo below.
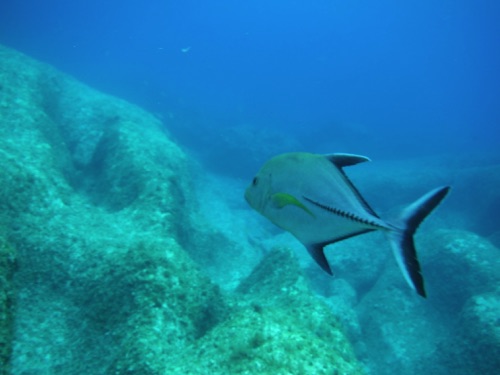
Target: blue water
x,y
387,78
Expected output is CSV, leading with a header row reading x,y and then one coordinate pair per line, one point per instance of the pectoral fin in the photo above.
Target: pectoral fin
x,y
281,200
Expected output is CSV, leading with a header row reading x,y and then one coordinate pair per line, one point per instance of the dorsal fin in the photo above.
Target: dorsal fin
x,y
346,160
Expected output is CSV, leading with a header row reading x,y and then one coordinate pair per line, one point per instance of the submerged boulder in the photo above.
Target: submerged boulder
x,y
276,327
96,199
458,265
277,289
398,326
458,320
93,196
7,292
475,347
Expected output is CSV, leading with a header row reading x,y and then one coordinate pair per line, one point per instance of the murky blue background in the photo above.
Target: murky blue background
x,y
387,78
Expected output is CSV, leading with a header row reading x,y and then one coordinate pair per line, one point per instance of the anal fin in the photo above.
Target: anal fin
x,y
318,254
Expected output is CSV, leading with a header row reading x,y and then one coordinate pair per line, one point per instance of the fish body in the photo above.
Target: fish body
x,y
310,196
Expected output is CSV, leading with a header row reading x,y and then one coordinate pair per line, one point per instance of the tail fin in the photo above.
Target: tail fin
x,y
401,239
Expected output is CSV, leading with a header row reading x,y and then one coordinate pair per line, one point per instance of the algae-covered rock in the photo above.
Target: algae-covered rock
x,y
7,265
458,265
277,285
399,328
93,195
221,245
475,347
96,199
404,332
342,302
277,327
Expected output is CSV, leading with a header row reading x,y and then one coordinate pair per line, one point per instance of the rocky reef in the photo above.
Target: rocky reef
x,y
7,292
97,201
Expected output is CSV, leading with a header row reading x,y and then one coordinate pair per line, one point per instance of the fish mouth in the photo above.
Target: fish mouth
x,y
252,200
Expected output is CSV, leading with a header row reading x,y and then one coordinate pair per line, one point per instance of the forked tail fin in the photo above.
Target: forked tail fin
x,y
401,239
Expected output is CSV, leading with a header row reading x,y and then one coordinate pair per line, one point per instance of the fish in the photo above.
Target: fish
x,y
311,196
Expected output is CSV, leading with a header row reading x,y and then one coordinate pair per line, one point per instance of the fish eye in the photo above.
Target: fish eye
x,y
255,181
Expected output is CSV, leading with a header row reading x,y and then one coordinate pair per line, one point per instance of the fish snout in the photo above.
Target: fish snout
x,y
253,198
247,195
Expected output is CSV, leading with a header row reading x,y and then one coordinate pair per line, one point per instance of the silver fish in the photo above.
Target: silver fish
x,y
310,196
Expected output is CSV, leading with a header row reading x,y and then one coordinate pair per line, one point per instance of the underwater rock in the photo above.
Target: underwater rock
x,y
360,260
222,246
249,147
400,329
458,265
480,180
342,301
276,326
234,149
495,239
475,347
96,199
225,260
7,292
303,325
97,222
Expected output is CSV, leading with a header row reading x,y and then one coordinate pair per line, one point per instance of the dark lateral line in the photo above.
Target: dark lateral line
x,y
344,214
